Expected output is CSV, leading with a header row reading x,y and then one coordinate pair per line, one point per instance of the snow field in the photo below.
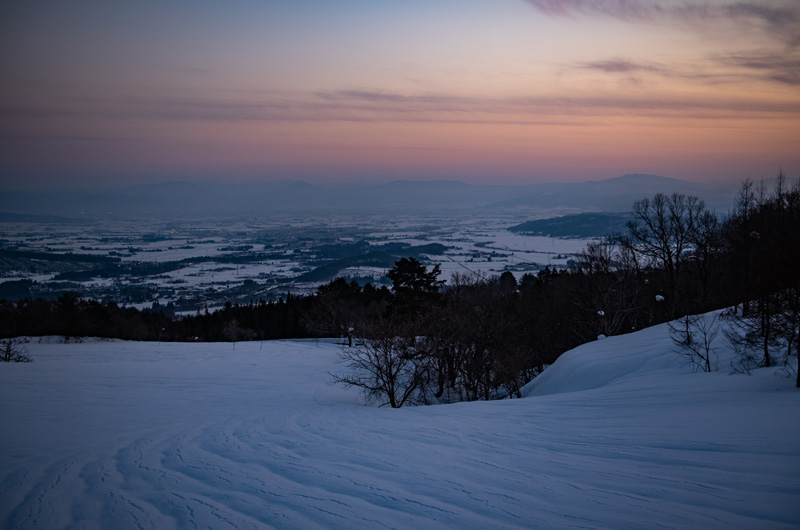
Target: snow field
x,y
616,434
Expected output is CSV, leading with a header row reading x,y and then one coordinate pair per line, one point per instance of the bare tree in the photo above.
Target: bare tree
x,y
706,242
234,332
788,325
12,350
693,335
663,230
479,351
341,308
333,316
388,364
753,335
609,301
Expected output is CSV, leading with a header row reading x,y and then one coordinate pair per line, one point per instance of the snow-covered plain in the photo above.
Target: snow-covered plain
x,y
477,243
616,434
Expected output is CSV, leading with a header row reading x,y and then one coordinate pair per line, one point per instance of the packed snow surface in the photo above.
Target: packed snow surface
x,y
616,434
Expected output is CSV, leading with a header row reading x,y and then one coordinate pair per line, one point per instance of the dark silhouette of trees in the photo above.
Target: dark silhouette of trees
x,y
81,318
414,287
467,342
484,353
762,244
234,332
665,232
341,308
607,291
410,278
12,350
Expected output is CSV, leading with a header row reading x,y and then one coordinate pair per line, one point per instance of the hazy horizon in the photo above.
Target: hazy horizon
x,y
439,197
479,91
34,186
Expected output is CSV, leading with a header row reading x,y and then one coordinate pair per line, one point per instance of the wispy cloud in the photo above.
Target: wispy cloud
x,y
623,9
364,105
765,66
779,16
621,66
782,68
449,108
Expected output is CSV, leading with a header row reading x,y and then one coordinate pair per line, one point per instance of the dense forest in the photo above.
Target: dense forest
x,y
484,337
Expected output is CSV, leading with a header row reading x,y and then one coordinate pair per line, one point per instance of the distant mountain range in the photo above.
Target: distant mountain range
x,y
619,193
290,197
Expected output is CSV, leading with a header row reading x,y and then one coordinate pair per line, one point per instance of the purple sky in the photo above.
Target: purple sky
x,y
114,93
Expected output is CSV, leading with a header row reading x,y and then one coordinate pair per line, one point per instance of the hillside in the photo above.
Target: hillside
x,y
617,433
578,225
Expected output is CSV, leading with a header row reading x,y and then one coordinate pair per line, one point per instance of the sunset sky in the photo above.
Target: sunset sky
x,y
106,93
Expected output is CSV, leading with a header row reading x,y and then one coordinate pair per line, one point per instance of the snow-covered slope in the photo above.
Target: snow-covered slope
x,y
608,361
616,434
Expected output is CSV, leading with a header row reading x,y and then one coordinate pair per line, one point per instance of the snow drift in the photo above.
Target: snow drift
x,y
616,434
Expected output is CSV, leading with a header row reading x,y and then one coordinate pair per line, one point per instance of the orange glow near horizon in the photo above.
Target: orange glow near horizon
x,y
473,90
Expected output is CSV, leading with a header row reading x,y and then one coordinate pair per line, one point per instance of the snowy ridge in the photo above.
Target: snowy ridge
x,y
616,434
607,361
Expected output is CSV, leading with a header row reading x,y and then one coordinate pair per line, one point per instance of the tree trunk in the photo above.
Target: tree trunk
x,y
797,347
766,331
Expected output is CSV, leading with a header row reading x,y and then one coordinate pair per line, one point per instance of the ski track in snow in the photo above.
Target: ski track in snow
x,y
616,434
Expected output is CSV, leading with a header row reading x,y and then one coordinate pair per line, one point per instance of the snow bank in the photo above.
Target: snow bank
x,y
603,362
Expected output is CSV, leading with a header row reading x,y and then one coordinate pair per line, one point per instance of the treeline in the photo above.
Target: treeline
x,y
484,337
50,256
71,316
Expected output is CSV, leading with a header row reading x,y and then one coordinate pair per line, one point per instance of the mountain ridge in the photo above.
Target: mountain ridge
x,y
183,198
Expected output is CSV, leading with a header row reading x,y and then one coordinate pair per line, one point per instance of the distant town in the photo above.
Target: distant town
x,y
190,265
